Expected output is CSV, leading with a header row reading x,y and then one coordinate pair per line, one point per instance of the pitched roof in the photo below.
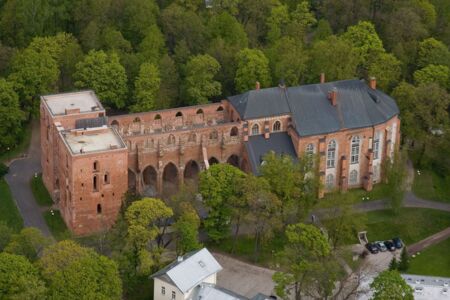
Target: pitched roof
x,y
208,291
191,270
357,106
257,146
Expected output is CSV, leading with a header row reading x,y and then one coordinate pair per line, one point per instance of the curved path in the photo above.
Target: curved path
x,y
20,173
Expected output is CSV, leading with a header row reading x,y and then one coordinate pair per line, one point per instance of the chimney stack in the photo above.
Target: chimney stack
x,y
257,86
373,83
322,77
332,96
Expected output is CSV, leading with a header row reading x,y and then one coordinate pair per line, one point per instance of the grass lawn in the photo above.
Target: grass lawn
x,y
40,192
8,209
429,185
352,196
21,147
433,261
56,225
411,225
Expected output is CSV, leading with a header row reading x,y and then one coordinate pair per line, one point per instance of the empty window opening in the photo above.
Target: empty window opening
x,y
99,209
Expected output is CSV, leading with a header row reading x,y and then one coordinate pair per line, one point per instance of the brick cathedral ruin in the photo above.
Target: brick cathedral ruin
x,y
90,160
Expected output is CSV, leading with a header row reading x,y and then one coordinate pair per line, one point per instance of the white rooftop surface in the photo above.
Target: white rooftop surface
x,y
194,270
83,100
93,141
211,292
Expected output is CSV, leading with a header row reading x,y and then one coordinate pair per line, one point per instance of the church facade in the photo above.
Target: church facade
x,y
90,160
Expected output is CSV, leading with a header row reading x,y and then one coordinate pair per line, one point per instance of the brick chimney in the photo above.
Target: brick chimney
x,y
322,77
257,86
332,96
373,83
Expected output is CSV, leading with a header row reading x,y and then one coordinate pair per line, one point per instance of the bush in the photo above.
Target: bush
x,y
3,170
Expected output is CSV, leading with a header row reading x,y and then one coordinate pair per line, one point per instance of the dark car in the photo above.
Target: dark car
x,y
397,243
390,245
372,248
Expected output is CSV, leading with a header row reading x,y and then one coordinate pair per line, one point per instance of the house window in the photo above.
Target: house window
x,y
353,177
277,126
99,209
330,181
95,183
106,178
96,166
255,129
309,150
354,157
376,146
173,295
163,290
331,154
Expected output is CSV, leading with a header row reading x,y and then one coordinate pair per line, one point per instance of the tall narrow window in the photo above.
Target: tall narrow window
x,y
99,208
95,183
106,178
277,126
353,177
331,154
163,290
354,157
255,129
96,166
174,295
376,145
329,181
309,150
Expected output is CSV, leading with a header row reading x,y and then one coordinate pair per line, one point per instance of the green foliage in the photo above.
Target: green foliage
x,y
199,83
217,185
40,192
390,285
5,235
74,272
3,170
433,74
11,117
252,66
364,39
432,52
393,265
19,279
146,88
395,175
29,243
9,214
187,231
168,91
403,264
152,47
105,75
386,68
227,28
138,15
56,224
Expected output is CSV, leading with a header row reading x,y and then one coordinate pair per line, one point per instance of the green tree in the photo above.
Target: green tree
x,y
276,22
323,30
169,87
33,74
10,116
139,15
305,249
433,74
407,100
302,19
393,265
390,285
29,242
146,88
75,272
226,27
334,57
5,235
187,231
386,68
152,47
199,83
216,185
19,279
395,174
105,75
253,66
403,264
433,52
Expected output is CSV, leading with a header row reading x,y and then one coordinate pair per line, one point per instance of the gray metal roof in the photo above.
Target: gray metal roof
x,y
208,291
91,122
358,106
257,146
185,274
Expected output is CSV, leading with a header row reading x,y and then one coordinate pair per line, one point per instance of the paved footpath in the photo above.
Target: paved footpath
x,y
429,241
20,173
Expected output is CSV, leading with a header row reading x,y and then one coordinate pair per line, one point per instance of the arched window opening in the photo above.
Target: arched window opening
x,y
95,183
179,114
192,137
213,135
234,131
220,108
99,209
329,181
171,139
158,117
255,129
115,123
331,154
213,161
200,112
354,157
96,166
277,126
137,120
106,178
353,177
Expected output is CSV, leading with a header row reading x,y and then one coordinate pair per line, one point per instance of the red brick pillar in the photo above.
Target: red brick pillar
x,y
343,174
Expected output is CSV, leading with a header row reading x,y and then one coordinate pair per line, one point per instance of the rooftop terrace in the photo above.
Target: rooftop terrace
x,y
92,140
84,101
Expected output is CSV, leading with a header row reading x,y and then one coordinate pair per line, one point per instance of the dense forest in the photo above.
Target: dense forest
x,y
141,55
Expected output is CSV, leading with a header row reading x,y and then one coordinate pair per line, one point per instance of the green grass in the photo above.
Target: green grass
x,y
411,225
40,192
23,145
56,225
9,213
352,196
433,261
429,185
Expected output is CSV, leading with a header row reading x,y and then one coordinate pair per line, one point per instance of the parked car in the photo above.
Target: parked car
x,y
380,246
397,243
389,245
372,248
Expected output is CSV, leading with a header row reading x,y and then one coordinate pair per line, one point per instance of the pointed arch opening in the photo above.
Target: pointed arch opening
x,y
212,160
149,177
170,179
131,181
234,131
233,160
191,171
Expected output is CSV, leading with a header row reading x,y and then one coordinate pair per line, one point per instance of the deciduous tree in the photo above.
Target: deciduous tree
x,y
146,88
432,52
29,242
252,66
187,231
433,74
11,116
390,285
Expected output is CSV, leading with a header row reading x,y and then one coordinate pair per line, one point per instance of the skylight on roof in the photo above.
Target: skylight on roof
x,y
201,263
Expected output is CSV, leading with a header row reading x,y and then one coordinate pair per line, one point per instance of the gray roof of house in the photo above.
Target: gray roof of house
x,y
257,146
185,274
358,106
208,291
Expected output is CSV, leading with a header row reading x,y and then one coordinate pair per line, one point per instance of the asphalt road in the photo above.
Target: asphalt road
x,y
20,173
